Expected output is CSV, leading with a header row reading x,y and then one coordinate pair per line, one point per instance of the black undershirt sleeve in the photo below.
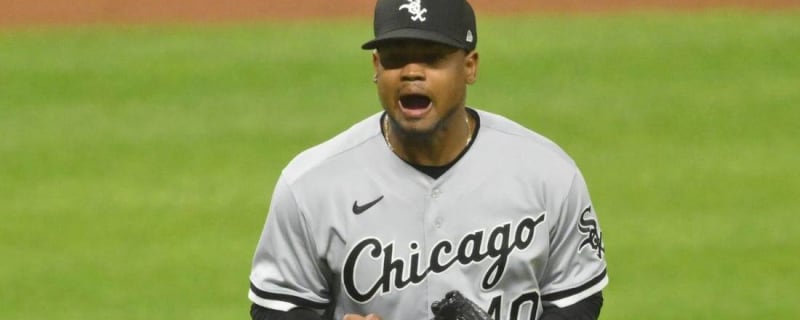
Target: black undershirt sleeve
x,y
260,313
586,309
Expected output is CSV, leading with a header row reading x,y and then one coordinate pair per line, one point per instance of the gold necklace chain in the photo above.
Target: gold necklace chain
x,y
386,131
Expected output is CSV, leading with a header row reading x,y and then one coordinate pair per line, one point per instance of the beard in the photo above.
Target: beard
x,y
420,133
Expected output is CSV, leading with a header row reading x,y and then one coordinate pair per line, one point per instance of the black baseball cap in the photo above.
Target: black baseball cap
x,y
450,22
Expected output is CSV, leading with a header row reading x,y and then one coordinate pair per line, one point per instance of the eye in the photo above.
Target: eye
x,y
392,61
399,55
432,58
395,60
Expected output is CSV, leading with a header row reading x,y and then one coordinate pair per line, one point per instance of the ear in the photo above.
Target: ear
x,y
471,66
376,61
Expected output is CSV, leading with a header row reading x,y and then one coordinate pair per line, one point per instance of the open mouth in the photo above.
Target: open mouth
x,y
415,102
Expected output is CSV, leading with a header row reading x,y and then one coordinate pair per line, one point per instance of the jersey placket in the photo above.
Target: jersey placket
x,y
433,222
436,230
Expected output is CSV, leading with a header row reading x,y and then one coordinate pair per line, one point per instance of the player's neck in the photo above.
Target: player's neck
x,y
437,149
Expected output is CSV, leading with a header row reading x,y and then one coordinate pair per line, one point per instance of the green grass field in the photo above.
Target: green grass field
x,y
136,163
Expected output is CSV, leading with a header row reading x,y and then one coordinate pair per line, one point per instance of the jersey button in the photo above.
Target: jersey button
x,y
438,222
435,193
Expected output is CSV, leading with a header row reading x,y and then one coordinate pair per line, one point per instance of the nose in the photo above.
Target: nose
x,y
413,72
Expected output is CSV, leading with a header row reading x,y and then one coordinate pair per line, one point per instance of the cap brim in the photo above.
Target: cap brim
x,y
414,34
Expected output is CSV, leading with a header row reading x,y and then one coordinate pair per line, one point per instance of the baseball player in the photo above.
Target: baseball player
x,y
429,196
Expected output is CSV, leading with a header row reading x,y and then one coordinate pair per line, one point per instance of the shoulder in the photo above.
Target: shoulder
x,y
513,138
347,142
507,150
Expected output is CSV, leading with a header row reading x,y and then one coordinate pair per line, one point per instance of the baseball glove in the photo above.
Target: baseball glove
x,y
455,306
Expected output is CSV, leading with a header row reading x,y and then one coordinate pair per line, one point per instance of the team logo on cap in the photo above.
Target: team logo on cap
x,y
416,10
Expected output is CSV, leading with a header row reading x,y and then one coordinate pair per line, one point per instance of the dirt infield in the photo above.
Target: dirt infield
x,y
49,12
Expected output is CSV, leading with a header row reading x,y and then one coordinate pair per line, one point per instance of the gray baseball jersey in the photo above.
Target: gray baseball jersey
x,y
352,228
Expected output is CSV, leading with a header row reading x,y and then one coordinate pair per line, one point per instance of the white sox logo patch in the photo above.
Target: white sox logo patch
x,y
397,273
594,238
416,10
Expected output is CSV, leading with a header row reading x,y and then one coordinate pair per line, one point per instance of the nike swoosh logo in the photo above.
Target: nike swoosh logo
x,y
360,209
